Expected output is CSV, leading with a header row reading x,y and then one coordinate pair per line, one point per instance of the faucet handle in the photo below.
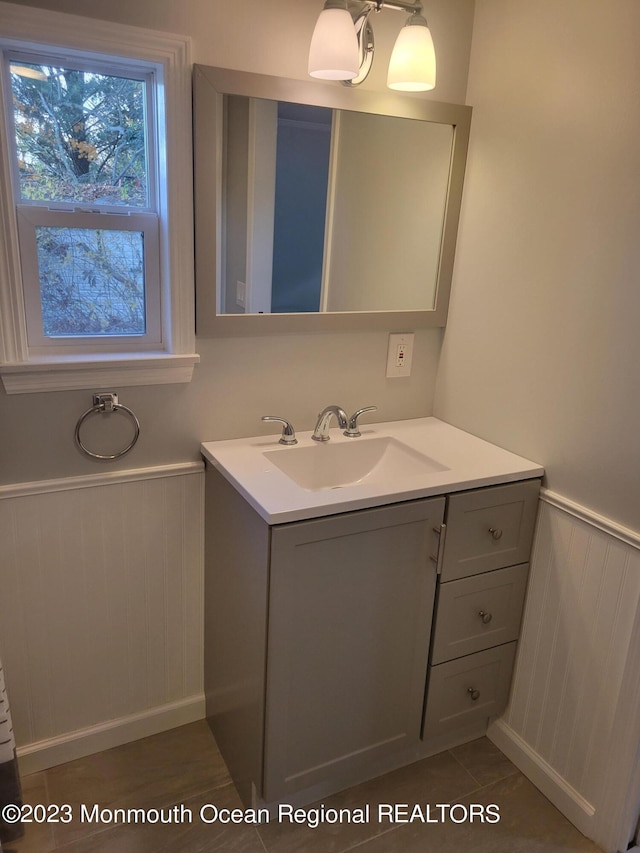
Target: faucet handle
x,y
352,430
288,433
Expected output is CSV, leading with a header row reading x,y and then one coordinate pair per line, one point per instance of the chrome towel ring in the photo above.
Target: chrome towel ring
x,y
107,403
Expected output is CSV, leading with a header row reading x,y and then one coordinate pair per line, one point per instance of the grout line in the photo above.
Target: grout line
x,y
464,767
61,843
260,839
189,795
228,784
384,832
482,785
47,795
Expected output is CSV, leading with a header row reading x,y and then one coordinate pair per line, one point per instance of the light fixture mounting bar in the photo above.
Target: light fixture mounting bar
x,y
399,5
360,7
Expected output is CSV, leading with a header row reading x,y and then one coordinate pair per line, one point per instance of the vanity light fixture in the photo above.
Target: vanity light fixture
x,y
342,45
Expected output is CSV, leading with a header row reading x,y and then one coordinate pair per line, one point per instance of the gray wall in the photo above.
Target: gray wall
x,y
240,379
542,351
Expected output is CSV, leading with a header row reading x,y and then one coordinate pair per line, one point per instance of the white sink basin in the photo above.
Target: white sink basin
x,y
390,462
360,460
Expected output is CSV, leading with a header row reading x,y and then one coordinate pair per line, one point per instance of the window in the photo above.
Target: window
x,y
97,270
83,149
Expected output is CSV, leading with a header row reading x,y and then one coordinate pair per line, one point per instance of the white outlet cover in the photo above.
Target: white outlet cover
x,y
399,367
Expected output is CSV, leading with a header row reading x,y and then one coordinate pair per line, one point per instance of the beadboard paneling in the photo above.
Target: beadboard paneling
x,y
576,655
101,604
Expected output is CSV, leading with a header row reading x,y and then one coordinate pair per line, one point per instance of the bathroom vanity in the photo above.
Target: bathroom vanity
x,y
358,625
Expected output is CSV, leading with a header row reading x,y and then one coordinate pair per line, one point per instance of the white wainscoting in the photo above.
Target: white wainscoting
x,y
573,724
101,623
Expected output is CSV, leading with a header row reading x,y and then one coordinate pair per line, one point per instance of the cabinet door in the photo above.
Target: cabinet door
x,y
351,600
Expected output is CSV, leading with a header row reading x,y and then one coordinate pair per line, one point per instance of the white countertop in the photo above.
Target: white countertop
x,y
469,461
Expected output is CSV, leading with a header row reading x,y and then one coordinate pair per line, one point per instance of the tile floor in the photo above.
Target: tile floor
x,y
183,766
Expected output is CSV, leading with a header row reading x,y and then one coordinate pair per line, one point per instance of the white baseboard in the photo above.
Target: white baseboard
x,y
565,798
58,750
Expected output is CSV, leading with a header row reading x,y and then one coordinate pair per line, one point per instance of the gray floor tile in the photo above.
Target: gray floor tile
x,y
484,761
195,836
156,771
184,767
528,823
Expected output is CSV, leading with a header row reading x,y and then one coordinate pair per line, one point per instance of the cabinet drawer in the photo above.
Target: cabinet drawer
x,y
479,612
453,686
489,528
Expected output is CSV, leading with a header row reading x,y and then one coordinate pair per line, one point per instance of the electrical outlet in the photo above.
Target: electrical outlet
x,y
399,355
241,293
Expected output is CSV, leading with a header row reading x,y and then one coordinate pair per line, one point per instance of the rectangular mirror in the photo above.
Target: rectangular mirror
x,y
322,207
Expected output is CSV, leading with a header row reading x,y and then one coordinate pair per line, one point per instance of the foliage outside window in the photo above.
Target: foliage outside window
x,y
80,135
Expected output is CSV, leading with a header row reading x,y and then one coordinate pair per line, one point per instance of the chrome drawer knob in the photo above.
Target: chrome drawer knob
x,y
475,694
486,617
496,532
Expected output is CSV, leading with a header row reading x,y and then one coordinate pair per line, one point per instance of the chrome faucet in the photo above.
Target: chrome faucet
x,y
321,432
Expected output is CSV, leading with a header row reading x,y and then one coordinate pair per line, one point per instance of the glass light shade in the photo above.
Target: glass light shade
x,y
333,54
413,62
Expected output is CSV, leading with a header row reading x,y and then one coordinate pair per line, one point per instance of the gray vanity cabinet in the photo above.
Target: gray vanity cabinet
x,y
316,641
319,642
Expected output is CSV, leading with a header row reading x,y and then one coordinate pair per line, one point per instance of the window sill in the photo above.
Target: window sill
x,y
67,373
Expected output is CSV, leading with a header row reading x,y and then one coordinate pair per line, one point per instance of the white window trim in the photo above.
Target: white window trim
x,y
31,28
